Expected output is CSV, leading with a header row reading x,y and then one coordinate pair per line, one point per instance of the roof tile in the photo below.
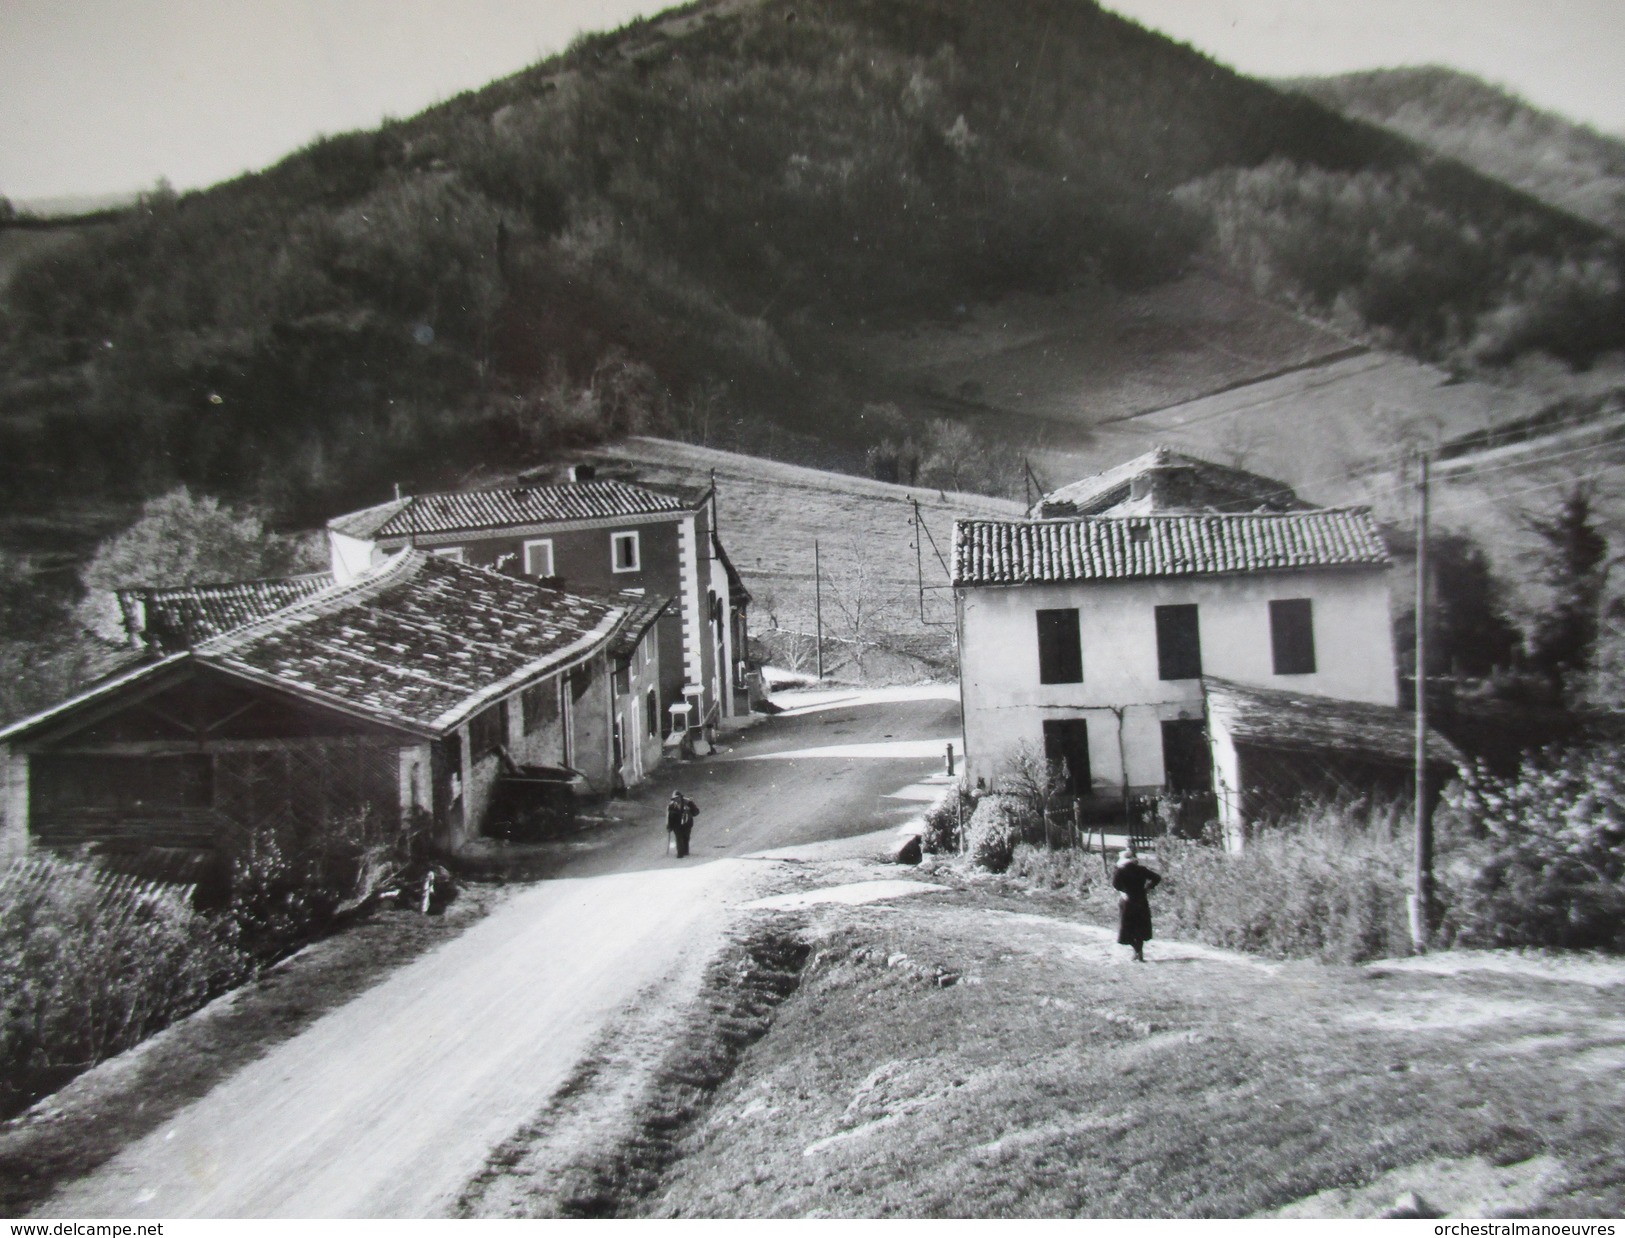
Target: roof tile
x,y
469,510
1016,552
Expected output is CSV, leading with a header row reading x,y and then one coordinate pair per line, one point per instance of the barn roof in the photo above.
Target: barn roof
x,y
1292,721
421,640
167,620
1018,552
1167,480
468,511
419,643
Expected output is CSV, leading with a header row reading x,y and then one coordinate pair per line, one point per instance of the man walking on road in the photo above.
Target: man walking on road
x,y
680,813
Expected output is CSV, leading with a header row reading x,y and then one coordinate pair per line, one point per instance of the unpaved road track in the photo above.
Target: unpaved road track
x,y
385,1107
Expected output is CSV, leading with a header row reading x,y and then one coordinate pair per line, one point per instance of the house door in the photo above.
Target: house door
x,y
1066,749
1187,762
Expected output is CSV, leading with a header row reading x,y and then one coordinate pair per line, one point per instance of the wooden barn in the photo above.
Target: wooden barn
x,y
403,693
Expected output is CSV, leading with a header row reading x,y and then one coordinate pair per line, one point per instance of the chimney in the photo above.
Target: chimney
x,y
582,472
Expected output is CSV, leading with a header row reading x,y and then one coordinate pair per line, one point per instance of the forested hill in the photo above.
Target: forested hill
x,y
693,219
1570,166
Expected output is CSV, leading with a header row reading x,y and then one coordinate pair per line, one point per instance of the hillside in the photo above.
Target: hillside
x,y
749,214
769,514
1569,166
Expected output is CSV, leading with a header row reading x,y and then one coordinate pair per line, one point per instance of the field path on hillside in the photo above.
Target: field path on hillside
x,y
386,1106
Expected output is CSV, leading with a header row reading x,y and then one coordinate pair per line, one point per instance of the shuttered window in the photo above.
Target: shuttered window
x,y
1292,636
1060,648
1179,643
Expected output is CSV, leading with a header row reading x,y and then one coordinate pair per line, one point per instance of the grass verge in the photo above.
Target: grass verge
x,y
69,1134
978,1054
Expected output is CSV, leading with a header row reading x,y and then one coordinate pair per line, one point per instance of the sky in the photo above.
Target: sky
x,y
108,96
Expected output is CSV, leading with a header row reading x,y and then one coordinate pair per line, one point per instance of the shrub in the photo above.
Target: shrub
x,y
1329,884
1069,869
994,831
944,820
1537,859
90,967
288,886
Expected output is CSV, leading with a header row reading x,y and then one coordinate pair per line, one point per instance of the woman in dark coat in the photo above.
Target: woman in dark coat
x,y
1133,881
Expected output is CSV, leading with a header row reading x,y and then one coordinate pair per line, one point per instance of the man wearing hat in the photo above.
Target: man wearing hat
x,y
680,811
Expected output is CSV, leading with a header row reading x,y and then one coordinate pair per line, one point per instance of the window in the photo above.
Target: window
x,y
539,704
454,553
1066,748
122,784
623,678
1179,643
1292,636
1187,763
539,558
1060,650
651,705
486,732
623,552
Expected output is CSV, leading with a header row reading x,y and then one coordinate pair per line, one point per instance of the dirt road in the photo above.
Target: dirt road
x,y
386,1107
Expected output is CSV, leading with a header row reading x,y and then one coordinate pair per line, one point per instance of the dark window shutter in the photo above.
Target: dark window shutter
x,y
1292,636
1179,643
1060,649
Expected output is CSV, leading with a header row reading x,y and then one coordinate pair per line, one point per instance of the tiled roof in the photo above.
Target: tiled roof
x,y
368,520
1172,481
1269,718
470,510
1004,552
178,618
420,641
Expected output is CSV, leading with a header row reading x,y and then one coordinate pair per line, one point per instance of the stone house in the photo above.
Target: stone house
x,y
593,535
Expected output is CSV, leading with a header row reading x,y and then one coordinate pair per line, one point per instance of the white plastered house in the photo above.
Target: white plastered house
x,y
1175,626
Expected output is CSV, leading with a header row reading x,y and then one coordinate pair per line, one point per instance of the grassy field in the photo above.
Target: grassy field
x,y
1078,359
985,1053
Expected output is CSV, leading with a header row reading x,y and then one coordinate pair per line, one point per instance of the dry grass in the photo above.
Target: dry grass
x,y
967,1057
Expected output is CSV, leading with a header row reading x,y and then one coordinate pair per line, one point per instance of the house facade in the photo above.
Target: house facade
x,y
403,693
1100,640
596,536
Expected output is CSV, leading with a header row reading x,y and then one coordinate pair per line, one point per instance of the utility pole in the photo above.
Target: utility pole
x,y
1422,896
818,609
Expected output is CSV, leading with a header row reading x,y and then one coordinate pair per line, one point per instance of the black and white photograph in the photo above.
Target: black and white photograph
x,y
812,610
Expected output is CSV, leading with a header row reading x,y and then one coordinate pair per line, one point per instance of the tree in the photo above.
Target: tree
x,y
182,540
1573,565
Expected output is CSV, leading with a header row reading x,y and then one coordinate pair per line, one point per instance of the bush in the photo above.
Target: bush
x,y
994,831
90,967
944,819
287,887
1069,869
1538,859
1330,884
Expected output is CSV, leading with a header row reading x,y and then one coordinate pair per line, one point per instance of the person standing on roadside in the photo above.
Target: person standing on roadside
x,y
1133,882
